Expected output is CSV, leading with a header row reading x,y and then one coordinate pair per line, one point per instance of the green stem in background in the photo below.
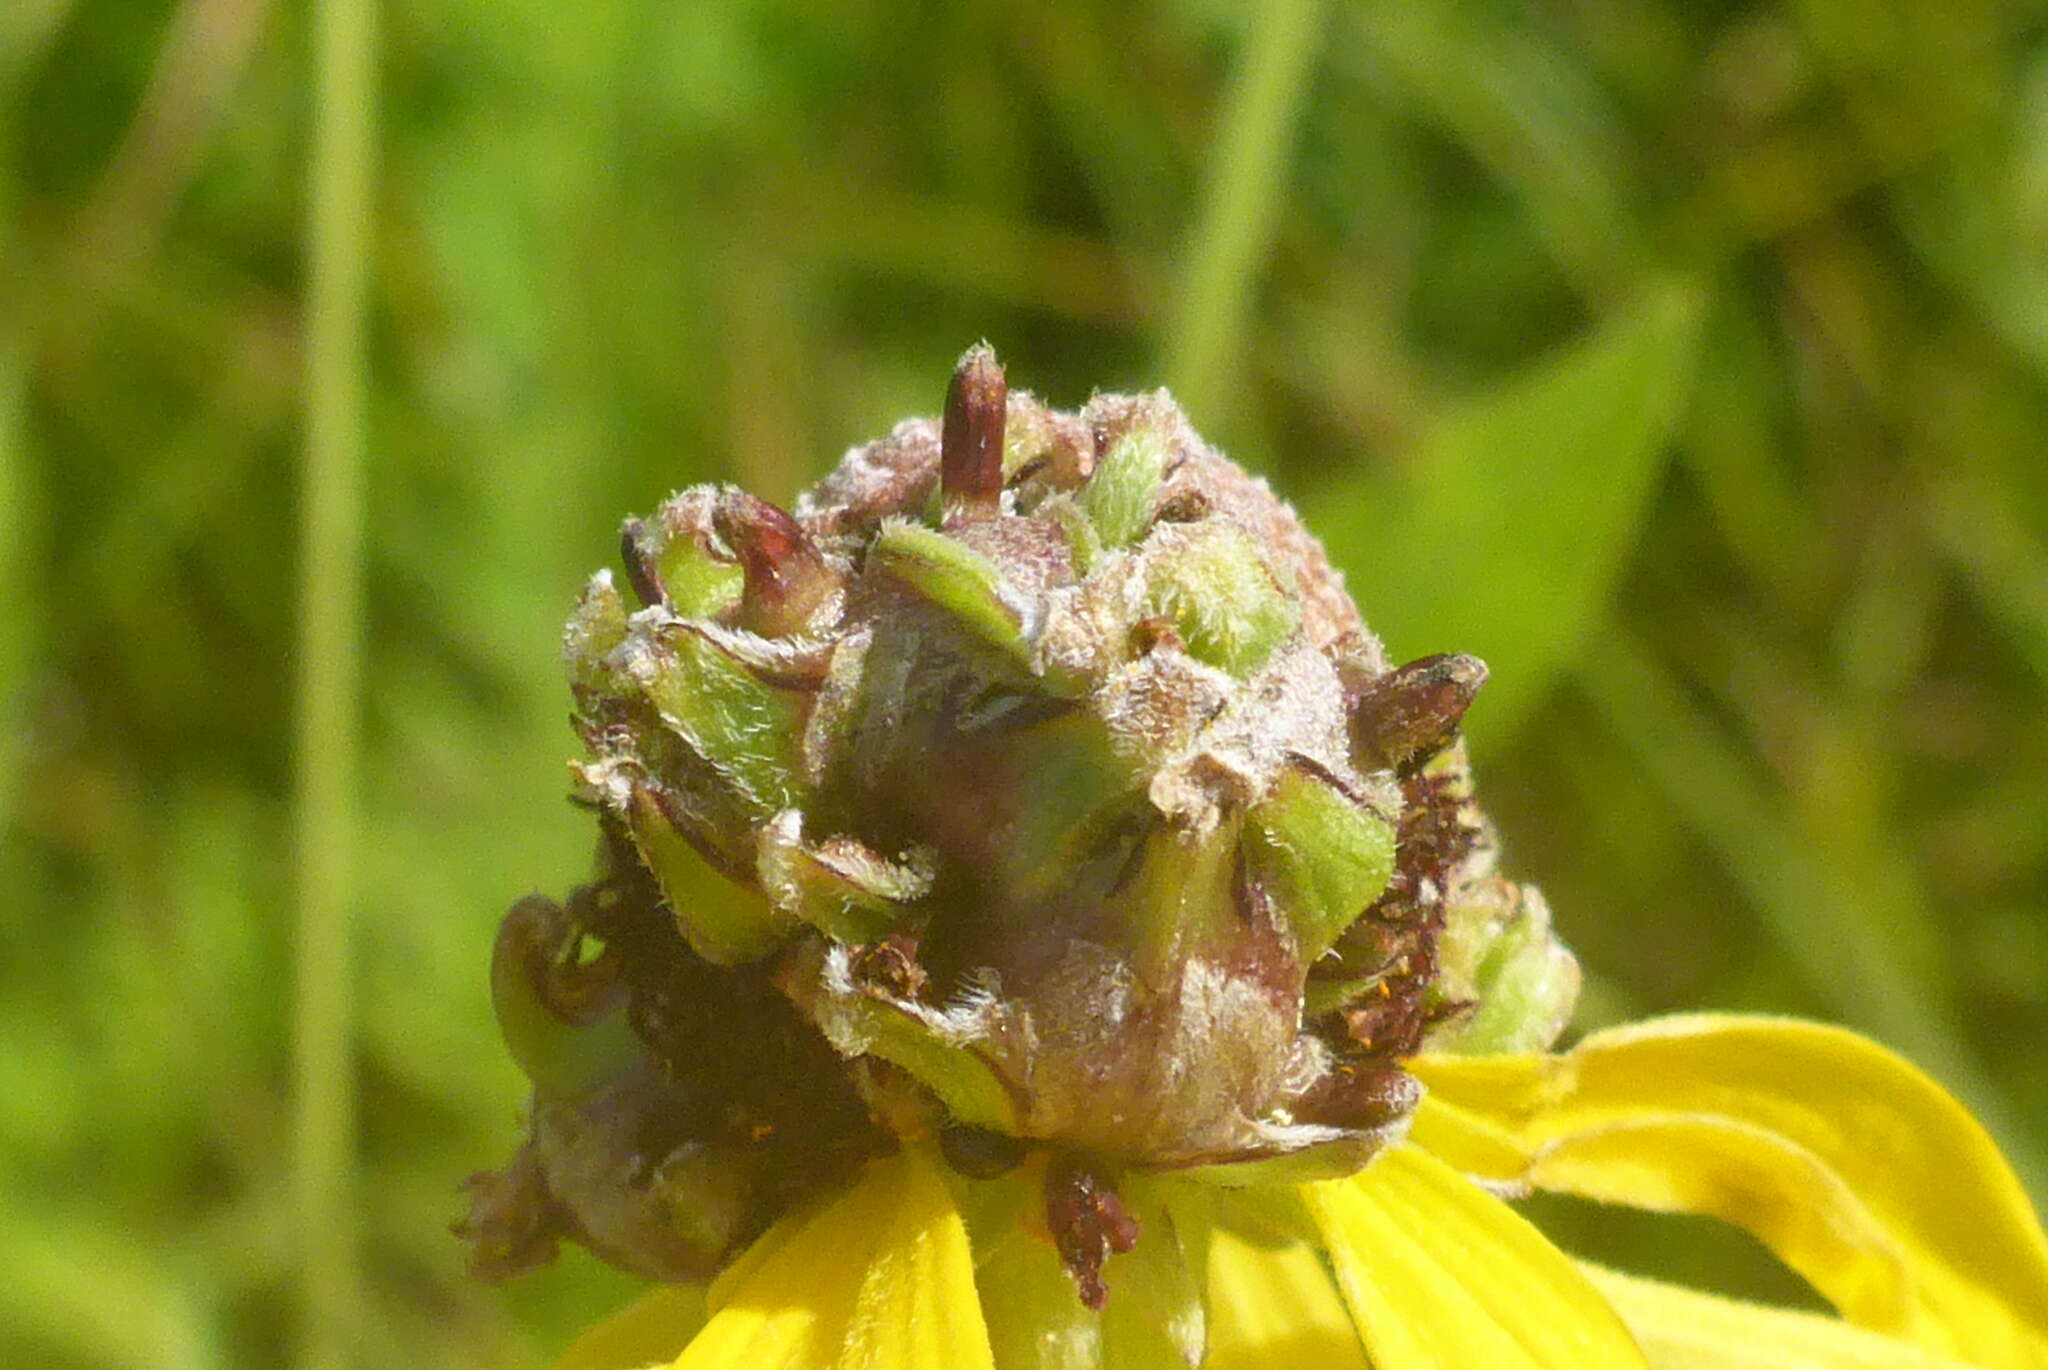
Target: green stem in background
x,y
1979,529
1241,204
21,611
329,672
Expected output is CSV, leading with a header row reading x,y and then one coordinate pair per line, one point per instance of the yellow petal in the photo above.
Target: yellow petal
x,y
1859,1171
1271,1306
1439,1273
1036,1320
1785,1194
1034,1313
1682,1329
1154,1318
651,1330
878,1279
1468,1140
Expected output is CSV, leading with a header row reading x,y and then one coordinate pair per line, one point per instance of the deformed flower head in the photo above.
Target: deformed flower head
x,y
1029,909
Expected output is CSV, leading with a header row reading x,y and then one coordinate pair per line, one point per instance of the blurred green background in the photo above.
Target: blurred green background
x,y
1687,361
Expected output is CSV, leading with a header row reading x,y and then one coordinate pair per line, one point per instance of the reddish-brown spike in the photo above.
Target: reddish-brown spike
x,y
788,578
1402,718
640,569
1089,1224
971,440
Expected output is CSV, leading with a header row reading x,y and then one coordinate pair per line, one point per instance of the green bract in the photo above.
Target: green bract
x,y
1034,784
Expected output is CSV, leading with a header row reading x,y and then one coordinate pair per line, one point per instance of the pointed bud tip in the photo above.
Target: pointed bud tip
x,y
755,528
641,573
971,437
1457,670
1401,719
979,357
787,576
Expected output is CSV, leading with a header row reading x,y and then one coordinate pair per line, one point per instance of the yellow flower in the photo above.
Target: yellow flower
x,y
1854,1168
1031,900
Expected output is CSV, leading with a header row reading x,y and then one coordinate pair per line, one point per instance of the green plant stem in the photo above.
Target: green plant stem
x,y
1241,203
1978,529
329,672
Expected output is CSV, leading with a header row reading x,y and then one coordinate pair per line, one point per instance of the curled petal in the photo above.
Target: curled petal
x,y
1437,1272
1760,1182
1856,1169
1155,1319
1683,1329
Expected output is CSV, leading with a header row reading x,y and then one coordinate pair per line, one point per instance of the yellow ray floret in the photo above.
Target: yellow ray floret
x,y
1275,1305
650,1331
1860,1172
1856,1169
1440,1273
1683,1329
881,1278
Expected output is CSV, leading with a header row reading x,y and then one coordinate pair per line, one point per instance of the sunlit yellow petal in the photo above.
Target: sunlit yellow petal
x,y
1786,1195
1154,1319
649,1331
917,1308
879,1279
1439,1273
1682,1329
1856,1168
792,1315
1275,1306
1033,1309
1036,1320
1473,1142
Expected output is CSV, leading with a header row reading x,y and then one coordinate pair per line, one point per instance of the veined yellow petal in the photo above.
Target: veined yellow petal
x,y
917,1308
1857,1169
1439,1273
1682,1329
649,1331
880,1278
1271,1306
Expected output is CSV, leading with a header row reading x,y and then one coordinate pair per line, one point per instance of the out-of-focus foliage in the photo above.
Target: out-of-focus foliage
x,y
1690,361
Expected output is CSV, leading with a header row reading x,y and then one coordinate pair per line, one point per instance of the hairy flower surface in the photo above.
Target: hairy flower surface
x,y
1035,925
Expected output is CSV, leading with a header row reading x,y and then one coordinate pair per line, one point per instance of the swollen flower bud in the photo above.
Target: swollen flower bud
x,y
1033,785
